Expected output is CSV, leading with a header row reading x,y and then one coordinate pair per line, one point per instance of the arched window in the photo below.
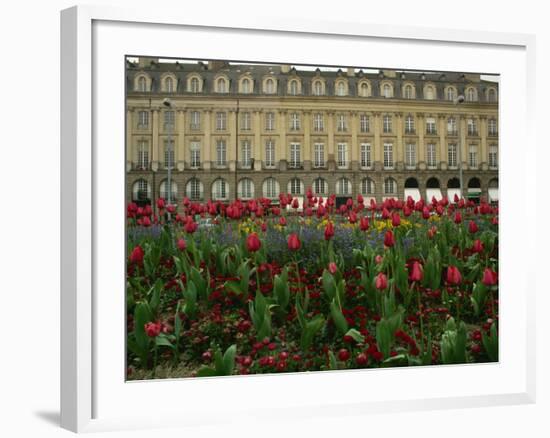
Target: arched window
x,y
270,86
293,87
471,95
493,190
492,95
246,86
220,190
141,190
194,189
164,191
142,84
367,186
451,93
364,89
408,92
317,88
169,85
341,89
343,187
387,90
295,186
390,186
320,186
245,188
195,85
221,86
270,188
429,92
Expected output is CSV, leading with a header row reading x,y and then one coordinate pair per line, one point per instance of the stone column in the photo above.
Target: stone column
x,y
420,147
130,155
306,159
155,140
330,136
280,147
180,131
354,126
442,141
399,155
207,162
377,146
257,147
483,153
232,147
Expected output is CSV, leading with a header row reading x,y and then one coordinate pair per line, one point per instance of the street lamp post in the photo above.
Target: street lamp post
x,y
459,100
168,104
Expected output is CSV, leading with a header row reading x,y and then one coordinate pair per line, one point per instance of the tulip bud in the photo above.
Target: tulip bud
x,y
453,275
416,273
137,254
294,242
472,227
332,268
490,277
253,243
381,281
181,244
389,240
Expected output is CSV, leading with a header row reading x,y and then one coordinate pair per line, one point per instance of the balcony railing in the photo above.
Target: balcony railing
x,y
141,166
492,133
245,164
473,133
452,132
431,131
295,164
410,131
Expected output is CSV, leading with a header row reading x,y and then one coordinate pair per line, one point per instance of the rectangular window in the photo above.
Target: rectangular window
x,y
451,156
410,155
341,124
245,121
451,126
295,159
409,125
195,120
364,123
221,153
221,121
388,155
169,120
472,156
430,126
269,121
318,155
492,127
246,154
366,156
472,127
269,153
195,154
143,119
142,155
318,122
431,156
168,154
342,161
493,157
295,122
387,124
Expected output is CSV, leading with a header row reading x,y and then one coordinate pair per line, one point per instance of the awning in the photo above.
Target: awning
x,y
413,193
451,194
493,194
433,193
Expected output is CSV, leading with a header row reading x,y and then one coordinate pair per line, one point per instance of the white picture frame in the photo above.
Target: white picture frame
x,y
92,383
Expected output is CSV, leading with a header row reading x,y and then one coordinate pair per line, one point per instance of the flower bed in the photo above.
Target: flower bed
x,y
254,287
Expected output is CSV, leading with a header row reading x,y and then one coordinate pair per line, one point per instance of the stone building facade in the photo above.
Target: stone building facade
x,y
234,130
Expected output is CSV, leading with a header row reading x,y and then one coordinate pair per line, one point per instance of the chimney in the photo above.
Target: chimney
x,y
351,71
285,68
145,61
389,73
216,65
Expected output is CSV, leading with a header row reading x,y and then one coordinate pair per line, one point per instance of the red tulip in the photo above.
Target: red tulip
x,y
396,220
152,329
490,277
389,240
431,232
352,217
425,213
364,223
378,259
416,273
145,221
294,242
361,359
385,213
253,243
264,227
282,221
360,199
181,244
329,231
332,268
455,198
137,255
453,275
343,355
295,203
477,247
190,226
472,227
458,217
160,203
381,282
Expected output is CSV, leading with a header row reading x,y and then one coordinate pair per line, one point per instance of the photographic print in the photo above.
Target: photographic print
x,y
298,218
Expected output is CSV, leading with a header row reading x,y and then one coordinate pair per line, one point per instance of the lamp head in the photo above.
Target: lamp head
x,y
167,103
459,99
